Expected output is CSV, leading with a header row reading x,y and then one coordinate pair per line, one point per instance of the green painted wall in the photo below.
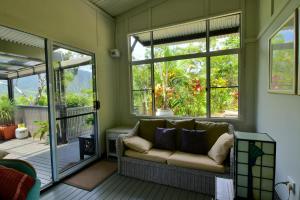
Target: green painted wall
x,y
74,23
278,114
160,13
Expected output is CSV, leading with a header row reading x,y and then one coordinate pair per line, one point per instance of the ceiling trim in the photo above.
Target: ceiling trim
x,y
103,12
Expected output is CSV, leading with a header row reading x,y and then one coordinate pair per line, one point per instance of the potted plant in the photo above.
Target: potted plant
x,y
43,130
162,94
7,110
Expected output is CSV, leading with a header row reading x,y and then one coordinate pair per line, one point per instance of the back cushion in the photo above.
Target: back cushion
x,y
165,138
214,130
194,141
148,127
180,124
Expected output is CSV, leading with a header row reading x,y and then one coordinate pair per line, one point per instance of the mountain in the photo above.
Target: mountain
x,y
29,85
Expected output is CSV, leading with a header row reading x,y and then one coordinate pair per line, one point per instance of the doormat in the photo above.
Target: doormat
x,y
92,176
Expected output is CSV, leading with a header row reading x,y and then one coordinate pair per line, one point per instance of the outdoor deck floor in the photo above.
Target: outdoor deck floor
x,y
121,187
38,154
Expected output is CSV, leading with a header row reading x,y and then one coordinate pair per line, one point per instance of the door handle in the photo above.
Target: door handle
x,y
97,105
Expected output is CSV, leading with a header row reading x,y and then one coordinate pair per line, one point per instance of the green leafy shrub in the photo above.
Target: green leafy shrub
x,y
76,100
7,108
43,129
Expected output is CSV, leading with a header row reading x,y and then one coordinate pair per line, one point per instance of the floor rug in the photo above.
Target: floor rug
x,y
92,176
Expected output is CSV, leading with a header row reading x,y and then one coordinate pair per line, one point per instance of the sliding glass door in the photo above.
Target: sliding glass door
x,y
48,104
74,118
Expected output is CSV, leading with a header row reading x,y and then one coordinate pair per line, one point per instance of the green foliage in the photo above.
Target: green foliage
x,y
76,100
7,108
43,100
29,100
24,101
181,85
90,120
43,129
283,60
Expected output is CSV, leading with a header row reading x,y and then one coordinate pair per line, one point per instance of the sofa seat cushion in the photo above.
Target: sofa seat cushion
x,y
195,161
155,155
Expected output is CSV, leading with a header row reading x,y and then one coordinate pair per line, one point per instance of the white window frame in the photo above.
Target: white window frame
x,y
208,54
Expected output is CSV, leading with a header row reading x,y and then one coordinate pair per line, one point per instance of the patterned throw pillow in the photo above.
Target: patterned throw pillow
x,y
14,184
194,141
165,138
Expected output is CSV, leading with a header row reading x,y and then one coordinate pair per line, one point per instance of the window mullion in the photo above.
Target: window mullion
x,y
208,113
152,74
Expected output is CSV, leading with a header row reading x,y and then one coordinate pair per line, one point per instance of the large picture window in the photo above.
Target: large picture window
x,y
188,70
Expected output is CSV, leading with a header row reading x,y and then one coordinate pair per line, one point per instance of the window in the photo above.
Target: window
x,y
3,88
188,70
30,90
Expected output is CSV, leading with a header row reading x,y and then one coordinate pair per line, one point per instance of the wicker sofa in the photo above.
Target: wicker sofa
x,y
177,175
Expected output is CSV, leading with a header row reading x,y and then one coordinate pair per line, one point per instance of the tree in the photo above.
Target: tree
x,y
181,84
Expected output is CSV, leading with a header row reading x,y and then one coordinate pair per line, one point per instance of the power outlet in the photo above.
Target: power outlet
x,y
291,184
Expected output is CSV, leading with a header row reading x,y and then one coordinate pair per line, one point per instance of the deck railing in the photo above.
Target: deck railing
x,y
75,126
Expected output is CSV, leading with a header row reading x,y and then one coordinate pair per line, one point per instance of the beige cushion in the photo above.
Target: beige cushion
x,y
138,144
195,161
155,155
220,149
3,154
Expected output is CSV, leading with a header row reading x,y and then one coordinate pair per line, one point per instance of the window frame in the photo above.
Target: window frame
x,y
207,54
7,87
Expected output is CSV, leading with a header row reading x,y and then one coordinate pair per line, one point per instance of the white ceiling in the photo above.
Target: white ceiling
x,y
116,7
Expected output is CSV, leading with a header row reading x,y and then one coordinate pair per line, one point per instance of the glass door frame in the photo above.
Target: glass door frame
x,y
56,175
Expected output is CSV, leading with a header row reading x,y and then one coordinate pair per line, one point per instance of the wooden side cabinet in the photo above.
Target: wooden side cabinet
x,y
111,137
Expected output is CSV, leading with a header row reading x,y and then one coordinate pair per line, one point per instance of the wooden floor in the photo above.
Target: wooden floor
x,y
121,187
38,154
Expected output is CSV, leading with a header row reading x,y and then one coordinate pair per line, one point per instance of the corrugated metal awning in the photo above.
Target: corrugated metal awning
x,y
19,37
191,31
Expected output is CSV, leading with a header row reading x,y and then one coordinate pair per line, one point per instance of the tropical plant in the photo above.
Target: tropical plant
x,y
43,129
76,100
7,108
180,85
90,120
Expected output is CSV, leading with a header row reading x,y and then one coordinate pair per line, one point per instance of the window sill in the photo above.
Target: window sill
x,y
216,119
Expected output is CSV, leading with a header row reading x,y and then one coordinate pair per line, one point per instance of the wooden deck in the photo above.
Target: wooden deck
x,y
120,187
38,154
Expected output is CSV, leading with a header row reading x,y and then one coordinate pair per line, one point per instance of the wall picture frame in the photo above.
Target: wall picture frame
x,y
283,58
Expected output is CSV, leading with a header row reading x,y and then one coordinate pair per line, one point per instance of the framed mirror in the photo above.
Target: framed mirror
x,y
282,58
